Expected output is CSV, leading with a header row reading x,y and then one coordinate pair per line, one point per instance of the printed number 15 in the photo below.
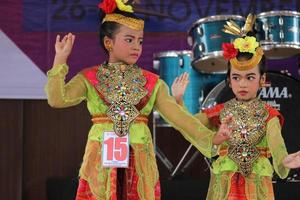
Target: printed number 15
x,y
116,148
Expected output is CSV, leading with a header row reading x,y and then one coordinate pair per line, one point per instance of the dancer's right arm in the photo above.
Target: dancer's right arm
x,y
63,48
190,127
59,94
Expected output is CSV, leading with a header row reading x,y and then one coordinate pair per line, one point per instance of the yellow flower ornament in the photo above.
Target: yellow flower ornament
x,y
247,44
121,6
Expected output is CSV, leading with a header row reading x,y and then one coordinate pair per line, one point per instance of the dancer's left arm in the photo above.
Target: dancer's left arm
x,y
277,147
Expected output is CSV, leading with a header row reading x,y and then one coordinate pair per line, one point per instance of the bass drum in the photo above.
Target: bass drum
x,y
282,92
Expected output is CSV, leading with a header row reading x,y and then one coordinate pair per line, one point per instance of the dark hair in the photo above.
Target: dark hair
x,y
109,29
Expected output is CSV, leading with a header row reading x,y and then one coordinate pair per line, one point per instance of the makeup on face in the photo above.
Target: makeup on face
x,y
245,84
127,46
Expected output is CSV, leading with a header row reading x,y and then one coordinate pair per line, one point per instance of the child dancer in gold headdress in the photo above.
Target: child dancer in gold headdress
x,y
119,97
249,129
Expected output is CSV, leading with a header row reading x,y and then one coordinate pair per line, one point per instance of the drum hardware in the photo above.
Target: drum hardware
x,y
207,40
285,72
190,161
200,31
281,35
208,161
280,21
201,47
180,162
278,33
161,156
266,29
164,159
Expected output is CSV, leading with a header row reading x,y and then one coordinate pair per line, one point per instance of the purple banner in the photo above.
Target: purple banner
x,y
81,15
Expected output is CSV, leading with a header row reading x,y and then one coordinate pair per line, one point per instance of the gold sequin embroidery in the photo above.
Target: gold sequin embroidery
x,y
122,86
248,129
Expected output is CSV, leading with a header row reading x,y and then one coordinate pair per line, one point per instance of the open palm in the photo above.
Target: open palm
x,y
179,85
63,47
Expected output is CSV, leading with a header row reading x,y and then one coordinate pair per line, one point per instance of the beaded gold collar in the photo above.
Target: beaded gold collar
x,y
248,129
122,86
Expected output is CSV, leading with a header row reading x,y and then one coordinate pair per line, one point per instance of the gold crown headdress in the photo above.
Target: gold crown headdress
x,y
243,43
109,6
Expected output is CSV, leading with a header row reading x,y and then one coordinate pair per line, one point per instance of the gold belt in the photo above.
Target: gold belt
x,y
103,118
263,151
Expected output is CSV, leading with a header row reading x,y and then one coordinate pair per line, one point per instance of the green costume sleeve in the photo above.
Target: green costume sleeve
x,y
61,95
277,147
189,126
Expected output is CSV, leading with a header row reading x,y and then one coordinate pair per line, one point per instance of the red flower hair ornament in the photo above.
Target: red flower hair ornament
x,y
229,51
108,6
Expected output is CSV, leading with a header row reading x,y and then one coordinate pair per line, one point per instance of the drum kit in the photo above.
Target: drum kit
x,y
279,35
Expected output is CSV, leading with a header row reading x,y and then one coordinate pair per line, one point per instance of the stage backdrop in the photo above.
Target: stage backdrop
x,y
33,24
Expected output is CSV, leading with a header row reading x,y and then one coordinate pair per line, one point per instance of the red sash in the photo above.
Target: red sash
x,y
91,75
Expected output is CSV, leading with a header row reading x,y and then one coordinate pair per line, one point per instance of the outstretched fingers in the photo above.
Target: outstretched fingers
x,y
57,39
227,125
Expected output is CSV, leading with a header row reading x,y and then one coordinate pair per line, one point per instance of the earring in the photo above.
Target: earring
x,y
262,84
108,48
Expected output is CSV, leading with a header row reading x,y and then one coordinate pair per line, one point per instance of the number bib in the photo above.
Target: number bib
x,y
115,150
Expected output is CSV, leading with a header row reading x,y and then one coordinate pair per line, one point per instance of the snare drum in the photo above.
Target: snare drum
x,y
206,38
278,33
283,94
173,63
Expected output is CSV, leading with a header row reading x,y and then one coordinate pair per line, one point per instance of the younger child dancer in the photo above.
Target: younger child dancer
x,y
249,130
119,160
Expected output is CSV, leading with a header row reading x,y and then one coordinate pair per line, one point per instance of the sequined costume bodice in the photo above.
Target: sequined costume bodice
x,y
122,87
248,128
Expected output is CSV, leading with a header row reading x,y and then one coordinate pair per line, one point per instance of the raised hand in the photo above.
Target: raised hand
x,y
179,86
224,131
63,48
292,160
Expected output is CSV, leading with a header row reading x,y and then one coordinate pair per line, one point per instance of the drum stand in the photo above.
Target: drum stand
x,y
189,162
180,162
163,158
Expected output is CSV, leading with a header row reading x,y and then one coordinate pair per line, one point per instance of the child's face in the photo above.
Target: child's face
x,y
245,84
126,45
